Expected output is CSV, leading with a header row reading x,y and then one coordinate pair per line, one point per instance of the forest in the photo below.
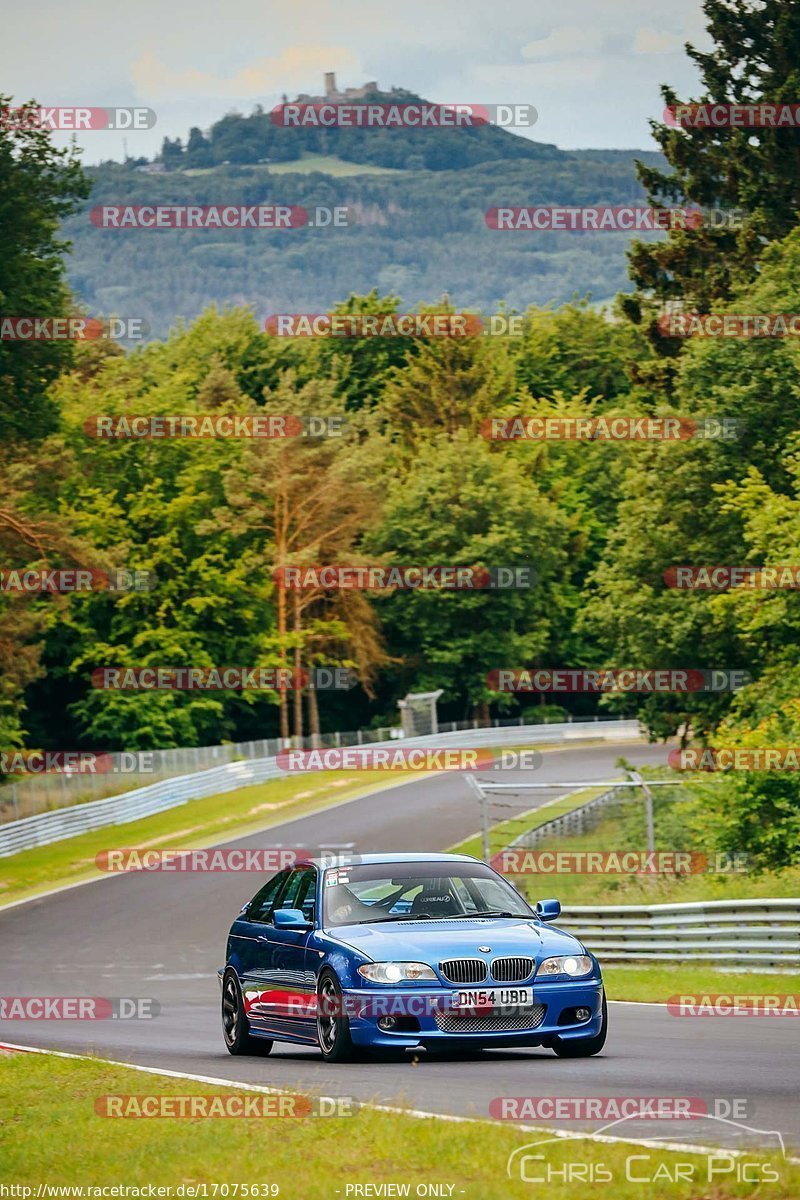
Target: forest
x,y
390,465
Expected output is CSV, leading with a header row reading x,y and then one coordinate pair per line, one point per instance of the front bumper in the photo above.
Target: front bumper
x,y
424,1017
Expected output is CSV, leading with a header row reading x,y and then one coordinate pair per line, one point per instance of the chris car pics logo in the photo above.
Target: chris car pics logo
x,y
648,1165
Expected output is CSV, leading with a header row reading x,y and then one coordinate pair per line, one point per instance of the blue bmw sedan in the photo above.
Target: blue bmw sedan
x,y
403,951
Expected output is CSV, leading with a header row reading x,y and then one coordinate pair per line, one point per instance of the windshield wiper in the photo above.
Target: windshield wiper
x,y
456,916
398,917
497,913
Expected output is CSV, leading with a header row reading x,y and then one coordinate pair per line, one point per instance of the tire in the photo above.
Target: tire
x,y
235,1030
585,1047
333,1029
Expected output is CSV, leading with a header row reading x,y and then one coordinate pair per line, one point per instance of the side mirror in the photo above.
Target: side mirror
x,y
290,918
548,910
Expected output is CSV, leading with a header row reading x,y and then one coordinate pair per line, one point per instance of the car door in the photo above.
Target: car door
x,y
246,945
281,974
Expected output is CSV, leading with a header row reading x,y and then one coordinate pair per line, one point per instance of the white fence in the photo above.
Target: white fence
x,y
67,822
123,771
751,933
130,806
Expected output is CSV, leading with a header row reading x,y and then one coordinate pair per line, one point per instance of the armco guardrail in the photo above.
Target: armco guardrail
x,y
28,795
130,806
744,933
156,797
572,823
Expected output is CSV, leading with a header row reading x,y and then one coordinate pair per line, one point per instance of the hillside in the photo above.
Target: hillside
x,y
417,201
257,138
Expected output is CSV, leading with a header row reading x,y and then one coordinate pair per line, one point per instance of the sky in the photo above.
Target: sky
x,y
591,68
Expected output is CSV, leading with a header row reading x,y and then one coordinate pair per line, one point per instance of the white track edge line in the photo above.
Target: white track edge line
x,y
418,1114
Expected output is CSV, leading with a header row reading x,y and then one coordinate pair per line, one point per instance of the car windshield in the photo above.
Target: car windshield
x,y
359,895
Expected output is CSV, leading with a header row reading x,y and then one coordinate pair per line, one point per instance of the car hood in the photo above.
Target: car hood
x,y
430,941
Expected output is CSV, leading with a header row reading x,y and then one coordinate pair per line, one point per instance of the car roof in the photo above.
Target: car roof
x,y
377,859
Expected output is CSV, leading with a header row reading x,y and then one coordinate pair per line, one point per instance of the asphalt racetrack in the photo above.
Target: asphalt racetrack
x,y
163,935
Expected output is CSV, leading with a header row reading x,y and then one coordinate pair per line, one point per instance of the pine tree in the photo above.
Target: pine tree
x,y
755,58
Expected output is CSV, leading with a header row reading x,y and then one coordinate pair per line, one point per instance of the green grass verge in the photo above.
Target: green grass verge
x,y
501,834
51,1134
197,823
621,827
614,833
658,984
329,164
649,982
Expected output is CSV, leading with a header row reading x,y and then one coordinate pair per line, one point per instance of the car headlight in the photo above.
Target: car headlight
x,y
397,972
573,965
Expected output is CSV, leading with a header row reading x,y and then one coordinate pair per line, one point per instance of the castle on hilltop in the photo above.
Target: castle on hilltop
x,y
333,95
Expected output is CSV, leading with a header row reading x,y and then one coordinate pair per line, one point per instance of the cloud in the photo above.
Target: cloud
x,y
648,41
523,82
296,68
568,42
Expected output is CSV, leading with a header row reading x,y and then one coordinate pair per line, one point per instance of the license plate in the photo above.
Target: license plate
x,y
493,998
